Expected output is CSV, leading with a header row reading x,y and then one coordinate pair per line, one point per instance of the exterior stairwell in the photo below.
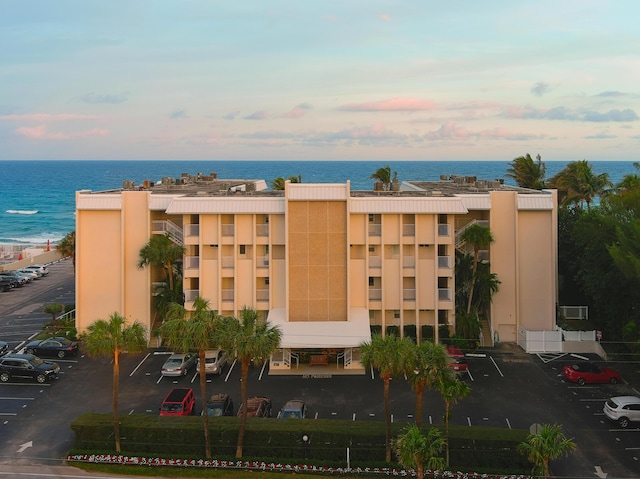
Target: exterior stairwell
x,y
485,335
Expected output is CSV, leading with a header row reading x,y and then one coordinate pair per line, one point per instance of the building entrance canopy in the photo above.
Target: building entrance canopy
x,y
322,334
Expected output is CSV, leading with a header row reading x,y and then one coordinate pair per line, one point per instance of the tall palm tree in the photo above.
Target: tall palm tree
x,y
383,175
111,338
479,237
426,363
546,446
451,390
415,450
527,173
278,183
248,339
579,185
390,356
67,247
163,252
186,332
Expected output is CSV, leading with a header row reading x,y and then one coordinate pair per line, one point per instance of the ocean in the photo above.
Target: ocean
x,y
38,197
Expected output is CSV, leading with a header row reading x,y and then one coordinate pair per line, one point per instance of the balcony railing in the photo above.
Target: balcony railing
x,y
262,295
166,226
190,295
262,229
262,261
375,294
409,294
227,262
444,230
409,262
228,230
191,230
227,294
375,230
409,230
444,294
375,262
444,262
191,262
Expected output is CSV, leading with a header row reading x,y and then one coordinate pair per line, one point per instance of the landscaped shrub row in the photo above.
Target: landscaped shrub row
x,y
476,448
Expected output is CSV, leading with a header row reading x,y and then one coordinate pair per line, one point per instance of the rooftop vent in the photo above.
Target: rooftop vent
x,y
128,185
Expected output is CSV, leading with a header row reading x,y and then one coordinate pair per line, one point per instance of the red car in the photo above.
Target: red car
x,y
583,373
458,361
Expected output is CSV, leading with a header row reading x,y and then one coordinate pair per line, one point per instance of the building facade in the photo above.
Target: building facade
x,y
325,264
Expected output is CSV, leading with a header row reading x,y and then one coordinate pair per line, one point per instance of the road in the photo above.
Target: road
x,y
510,389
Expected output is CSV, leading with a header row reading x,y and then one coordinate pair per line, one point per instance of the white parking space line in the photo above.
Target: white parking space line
x,y
469,420
262,370
508,423
17,399
159,379
353,417
226,378
470,376
8,414
494,363
139,364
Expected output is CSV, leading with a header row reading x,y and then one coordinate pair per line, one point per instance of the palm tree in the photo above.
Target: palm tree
x,y
54,309
111,338
383,175
546,446
415,449
390,356
67,247
527,173
479,237
278,183
579,185
427,362
247,339
163,252
451,390
187,332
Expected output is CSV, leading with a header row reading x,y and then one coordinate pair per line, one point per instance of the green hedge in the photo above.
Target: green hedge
x,y
471,448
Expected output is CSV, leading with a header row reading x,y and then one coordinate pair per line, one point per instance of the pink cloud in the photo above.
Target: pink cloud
x,y
394,104
42,133
450,131
298,111
384,17
47,117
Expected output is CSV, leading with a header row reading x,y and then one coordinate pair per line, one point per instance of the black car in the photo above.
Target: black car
x,y
7,284
27,366
18,280
57,346
220,405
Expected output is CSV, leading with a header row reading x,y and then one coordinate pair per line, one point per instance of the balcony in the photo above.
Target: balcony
x,y
228,230
375,262
409,294
375,230
227,295
166,226
227,262
262,262
444,230
408,230
262,295
444,262
409,262
192,230
445,294
190,295
375,294
262,229
191,262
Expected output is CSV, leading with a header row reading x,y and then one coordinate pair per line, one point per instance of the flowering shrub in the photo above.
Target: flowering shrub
x,y
277,467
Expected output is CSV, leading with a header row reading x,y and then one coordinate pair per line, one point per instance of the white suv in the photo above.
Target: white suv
x,y
623,410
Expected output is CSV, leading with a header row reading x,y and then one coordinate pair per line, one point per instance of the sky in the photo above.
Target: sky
x,y
320,80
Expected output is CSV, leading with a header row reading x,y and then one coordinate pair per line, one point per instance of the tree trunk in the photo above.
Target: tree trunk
x,y
387,417
446,426
419,399
203,392
476,251
116,382
243,394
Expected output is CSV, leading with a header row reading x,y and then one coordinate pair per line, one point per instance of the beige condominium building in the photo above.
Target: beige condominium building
x,y
326,264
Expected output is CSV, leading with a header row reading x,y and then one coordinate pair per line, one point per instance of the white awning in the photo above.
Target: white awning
x,y
323,334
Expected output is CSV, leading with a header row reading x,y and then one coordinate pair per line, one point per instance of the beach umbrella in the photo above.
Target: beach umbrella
x,y
20,257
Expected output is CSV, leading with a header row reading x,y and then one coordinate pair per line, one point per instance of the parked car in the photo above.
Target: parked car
x,y
214,361
4,348
178,364
33,273
57,346
257,406
40,267
458,362
294,409
583,373
623,410
27,366
219,405
29,277
179,402
7,284
18,280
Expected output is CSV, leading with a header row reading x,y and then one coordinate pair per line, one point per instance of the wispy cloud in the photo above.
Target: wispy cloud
x,y
384,17
93,97
47,117
258,115
298,111
540,89
394,104
178,114
232,115
568,114
600,136
451,131
41,132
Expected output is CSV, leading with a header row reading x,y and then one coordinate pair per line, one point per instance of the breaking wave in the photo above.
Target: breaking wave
x,y
22,212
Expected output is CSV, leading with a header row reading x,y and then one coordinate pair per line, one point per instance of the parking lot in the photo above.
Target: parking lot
x,y
510,389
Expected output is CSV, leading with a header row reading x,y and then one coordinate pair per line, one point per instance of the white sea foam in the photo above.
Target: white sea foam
x,y
22,212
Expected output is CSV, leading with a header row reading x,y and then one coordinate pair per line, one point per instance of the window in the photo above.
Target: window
x,y
371,281
266,281
243,249
371,218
